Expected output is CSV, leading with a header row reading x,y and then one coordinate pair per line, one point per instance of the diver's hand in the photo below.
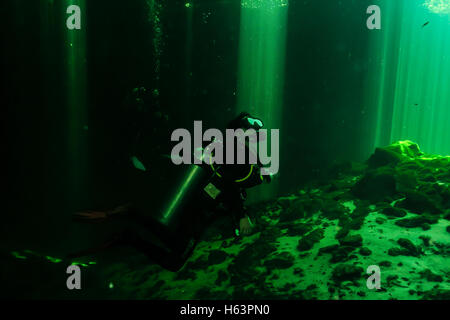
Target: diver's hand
x,y
245,226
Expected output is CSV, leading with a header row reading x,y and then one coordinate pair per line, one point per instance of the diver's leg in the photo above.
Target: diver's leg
x,y
234,200
170,260
157,242
144,234
116,240
100,216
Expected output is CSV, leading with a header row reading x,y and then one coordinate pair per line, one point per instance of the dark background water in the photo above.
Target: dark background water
x,y
322,115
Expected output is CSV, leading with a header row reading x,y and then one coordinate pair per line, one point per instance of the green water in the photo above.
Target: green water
x,y
92,98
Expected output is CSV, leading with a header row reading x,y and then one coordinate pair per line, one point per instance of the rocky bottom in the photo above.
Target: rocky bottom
x,y
391,212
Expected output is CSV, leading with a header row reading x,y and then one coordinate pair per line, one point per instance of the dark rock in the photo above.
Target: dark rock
x,y
239,293
385,263
407,249
298,271
381,205
292,212
332,196
351,240
364,251
282,261
217,257
298,229
158,285
275,277
426,226
344,221
304,254
445,196
394,212
203,293
311,287
296,295
312,206
344,272
245,263
308,241
270,234
328,249
405,148
285,203
418,203
380,220
383,157
428,178
224,244
395,252
199,264
342,254
408,245
342,233
333,210
391,280
437,294
442,248
430,276
415,222
426,240
331,188
361,211
406,180
356,223
219,295
376,185
186,274
221,277
288,287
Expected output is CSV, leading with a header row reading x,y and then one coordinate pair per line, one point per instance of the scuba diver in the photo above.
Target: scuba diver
x,y
167,226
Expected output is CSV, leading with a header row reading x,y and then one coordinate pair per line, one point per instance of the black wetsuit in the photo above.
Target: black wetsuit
x,y
170,248
169,243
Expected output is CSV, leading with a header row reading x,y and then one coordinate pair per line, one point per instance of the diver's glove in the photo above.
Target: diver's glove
x,y
267,176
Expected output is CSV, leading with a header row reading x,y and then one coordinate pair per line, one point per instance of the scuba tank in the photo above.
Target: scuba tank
x,y
191,189
170,216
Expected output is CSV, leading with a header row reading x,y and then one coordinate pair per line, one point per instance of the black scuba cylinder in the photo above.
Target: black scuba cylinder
x,y
171,213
